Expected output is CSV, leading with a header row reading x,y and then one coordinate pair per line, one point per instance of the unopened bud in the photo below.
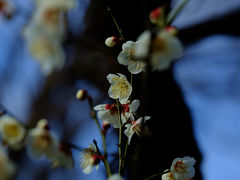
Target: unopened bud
x,y
171,30
155,15
43,124
106,125
111,41
82,94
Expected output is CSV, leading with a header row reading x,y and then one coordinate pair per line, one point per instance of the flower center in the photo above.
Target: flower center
x,y
52,16
180,167
120,88
43,141
159,44
12,130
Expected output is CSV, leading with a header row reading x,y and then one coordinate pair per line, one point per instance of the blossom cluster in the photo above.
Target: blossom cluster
x,y
40,142
45,32
158,47
154,49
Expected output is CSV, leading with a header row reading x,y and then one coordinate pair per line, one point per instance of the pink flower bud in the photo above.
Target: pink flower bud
x,y
106,125
156,15
111,41
171,30
82,94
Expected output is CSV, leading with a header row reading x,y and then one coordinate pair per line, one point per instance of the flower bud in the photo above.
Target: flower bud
x,y
171,30
111,41
106,125
82,94
155,15
42,123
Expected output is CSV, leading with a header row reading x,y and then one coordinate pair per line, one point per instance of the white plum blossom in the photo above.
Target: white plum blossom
x,y
127,57
7,167
89,159
182,168
11,131
135,127
41,141
165,49
120,87
45,32
49,16
45,49
129,110
108,113
115,177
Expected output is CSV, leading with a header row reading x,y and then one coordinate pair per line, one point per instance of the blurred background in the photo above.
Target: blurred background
x,y
195,105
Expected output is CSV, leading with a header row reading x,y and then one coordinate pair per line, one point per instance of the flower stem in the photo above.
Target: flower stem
x,y
156,175
124,155
171,17
105,162
115,22
120,139
94,117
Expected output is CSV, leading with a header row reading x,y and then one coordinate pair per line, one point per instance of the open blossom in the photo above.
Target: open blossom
x,y
135,127
127,57
49,15
182,168
41,141
165,48
45,49
12,132
115,177
7,168
45,33
108,113
89,159
128,110
120,87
